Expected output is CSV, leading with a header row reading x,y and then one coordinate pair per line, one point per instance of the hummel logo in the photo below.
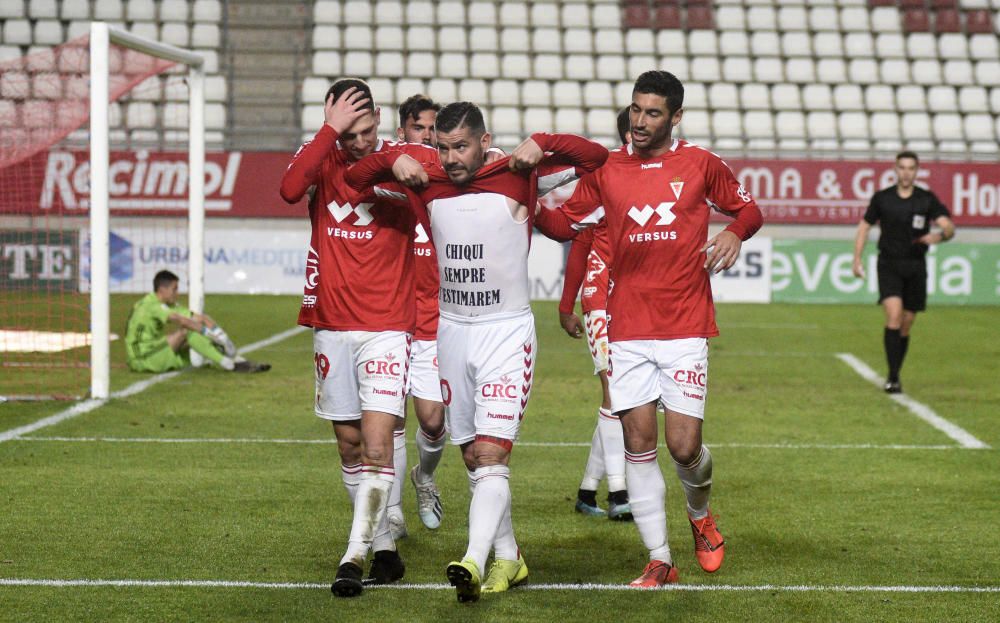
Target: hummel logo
x,y
654,165
340,212
664,210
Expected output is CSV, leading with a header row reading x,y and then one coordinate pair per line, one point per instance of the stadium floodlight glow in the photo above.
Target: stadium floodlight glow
x,y
101,37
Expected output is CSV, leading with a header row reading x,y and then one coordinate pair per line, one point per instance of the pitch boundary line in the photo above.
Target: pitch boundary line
x,y
919,409
89,405
531,444
725,588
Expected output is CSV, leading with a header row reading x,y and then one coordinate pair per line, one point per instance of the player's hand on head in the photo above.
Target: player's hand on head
x,y
348,108
722,251
527,155
571,325
409,172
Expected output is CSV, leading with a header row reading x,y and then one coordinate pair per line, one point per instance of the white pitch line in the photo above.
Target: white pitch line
x,y
919,409
89,405
727,588
530,444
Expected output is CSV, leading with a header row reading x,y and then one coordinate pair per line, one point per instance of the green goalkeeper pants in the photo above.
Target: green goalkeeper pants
x,y
165,359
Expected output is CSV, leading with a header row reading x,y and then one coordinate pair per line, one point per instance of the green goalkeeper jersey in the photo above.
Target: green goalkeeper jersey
x,y
145,332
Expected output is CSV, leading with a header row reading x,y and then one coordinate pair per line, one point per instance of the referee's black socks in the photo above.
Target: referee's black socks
x,y
894,350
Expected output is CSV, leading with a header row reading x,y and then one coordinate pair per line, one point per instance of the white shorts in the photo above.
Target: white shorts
x,y
596,323
672,372
486,376
425,383
360,371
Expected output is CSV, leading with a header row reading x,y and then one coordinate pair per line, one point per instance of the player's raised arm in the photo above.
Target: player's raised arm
x,y
304,170
584,154
582,210
728,196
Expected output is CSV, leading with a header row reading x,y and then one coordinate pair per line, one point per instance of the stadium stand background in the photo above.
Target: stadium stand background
x,y
854,77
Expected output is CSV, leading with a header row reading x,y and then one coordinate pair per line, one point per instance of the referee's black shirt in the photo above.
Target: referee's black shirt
x,y
903,221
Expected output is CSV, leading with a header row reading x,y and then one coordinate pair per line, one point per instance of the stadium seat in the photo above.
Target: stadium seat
x,y
598,94
761,18
916,20
754,96
915,126
15,85
695,96
569,120
948,127
442,90
419,38
727,124
544,15
884,126
817,97
610,67
215,116
638,64
515,66
325,12
17,32
205,36
48,32
791,124
641,42
141,114
482,14
854,19
110,10
695,123
984,47
405,87
389,64
768,43
737,69
546,40
37,114
785,96
911,98
988,73
800,70
723,96
863,71
890,45
150,30
705,69
175,33
758,124
507,93
821,125
848,97
734,44
921,45
880,97
979,21
579,67
215,88
973,100
14,9
175,115
515,40
207,11
419,12
981,128
314,90
451,13
926,71
702,43
513,14
566,93
484,65
360,63
601,122
824,18
424,65
859,45
885,19
852,125
605,16
577,41
548,67
483,39
170,10
995,100
608,42
958,73
635,14
534,93
730,17
947,21
537,120
390,38
452,39
326,63
671,42
40,9
953,46
677,65
505,120
792,18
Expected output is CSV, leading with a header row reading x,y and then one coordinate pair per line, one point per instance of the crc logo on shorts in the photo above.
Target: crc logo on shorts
x,y
341,212
504,390
388,367
697,378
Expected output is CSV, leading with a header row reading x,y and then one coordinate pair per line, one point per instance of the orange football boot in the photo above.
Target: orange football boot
x,y
657,573
709,546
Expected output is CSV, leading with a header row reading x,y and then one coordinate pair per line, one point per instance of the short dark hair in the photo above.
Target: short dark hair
x,y
414,105
164,278
664,84
340,86
624,124
907,154
461,114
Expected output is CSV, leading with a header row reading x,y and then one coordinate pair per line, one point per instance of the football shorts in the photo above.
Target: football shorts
x,y
486,375
360,371
672,372
905,278
425,383
596,323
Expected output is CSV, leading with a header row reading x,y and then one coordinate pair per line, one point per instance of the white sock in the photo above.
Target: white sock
x,y
594,471
647,494
383,537
697,480
613,442
429,452
504,545
472,481
369,511
351,474
489,500
398,464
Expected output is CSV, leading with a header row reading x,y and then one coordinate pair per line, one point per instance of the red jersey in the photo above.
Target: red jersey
x,y
588,263
427,281
657,213
359,271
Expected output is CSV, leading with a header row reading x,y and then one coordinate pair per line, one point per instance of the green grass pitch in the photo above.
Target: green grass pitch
x,y
821,482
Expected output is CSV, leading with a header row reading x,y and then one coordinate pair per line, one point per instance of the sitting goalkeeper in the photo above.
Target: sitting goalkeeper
x,y
150,348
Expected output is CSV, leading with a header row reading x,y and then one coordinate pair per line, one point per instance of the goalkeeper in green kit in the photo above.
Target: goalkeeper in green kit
x,y
153,346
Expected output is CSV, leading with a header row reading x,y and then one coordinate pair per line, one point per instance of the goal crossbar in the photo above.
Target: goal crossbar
x,y
101,37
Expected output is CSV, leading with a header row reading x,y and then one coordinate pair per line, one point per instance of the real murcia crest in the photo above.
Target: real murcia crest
x,y
677,185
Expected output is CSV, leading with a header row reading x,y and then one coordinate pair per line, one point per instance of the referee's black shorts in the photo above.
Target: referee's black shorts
x,y
905,278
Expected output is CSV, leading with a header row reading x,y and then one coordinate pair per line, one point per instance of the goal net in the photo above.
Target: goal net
x,y
101,150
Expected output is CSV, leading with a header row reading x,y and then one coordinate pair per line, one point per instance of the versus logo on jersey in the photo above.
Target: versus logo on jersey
x,y
420,235
362,210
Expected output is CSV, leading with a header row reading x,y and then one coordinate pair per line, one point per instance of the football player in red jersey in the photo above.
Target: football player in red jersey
x,y
359,300
655,195
588,266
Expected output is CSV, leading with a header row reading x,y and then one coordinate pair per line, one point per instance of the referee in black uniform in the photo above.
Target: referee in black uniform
x,y
904,213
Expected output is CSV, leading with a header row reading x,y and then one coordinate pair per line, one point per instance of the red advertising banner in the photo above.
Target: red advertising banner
x,y
245,184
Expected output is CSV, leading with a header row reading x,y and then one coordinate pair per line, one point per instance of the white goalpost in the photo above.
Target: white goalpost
x,y
102,37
